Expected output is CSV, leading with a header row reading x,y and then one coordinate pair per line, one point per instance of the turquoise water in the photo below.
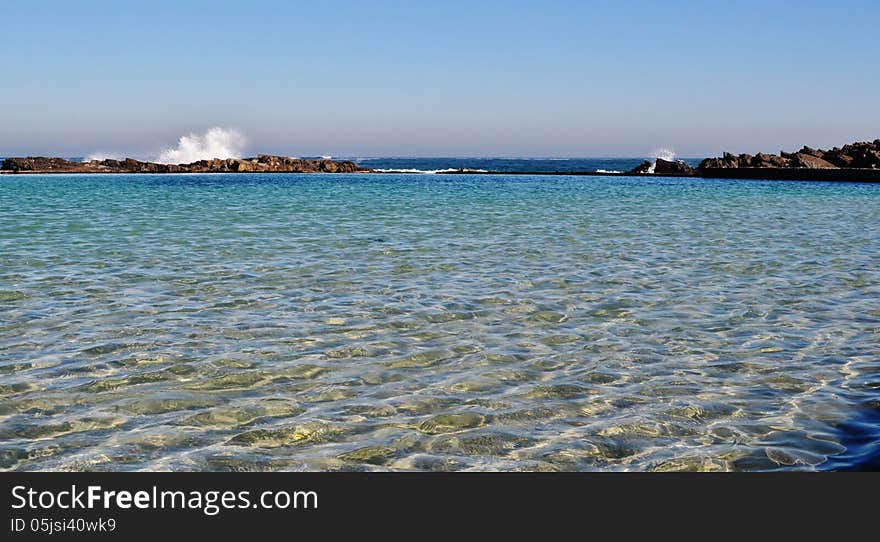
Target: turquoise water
x,y
309,322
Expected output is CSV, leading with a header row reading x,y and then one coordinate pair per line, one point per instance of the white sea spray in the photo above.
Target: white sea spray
x,y
214,143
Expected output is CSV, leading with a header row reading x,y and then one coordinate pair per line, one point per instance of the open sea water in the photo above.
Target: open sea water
x,y
429,322
580,165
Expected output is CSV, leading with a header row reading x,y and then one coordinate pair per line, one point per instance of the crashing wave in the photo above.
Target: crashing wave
x,y
214,143
662,154
100,156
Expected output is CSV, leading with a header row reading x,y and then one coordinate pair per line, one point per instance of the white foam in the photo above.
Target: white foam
x,y
214,143
99,156
663,154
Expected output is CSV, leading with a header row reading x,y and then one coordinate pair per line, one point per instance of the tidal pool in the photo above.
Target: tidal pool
x,y
430,322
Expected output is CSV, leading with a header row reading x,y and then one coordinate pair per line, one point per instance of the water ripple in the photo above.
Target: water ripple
x,y
295,322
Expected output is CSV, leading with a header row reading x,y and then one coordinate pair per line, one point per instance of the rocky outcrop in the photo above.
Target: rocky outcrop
x,y
47,165
666,167
641,169
862,155
663,167
809,161
263,163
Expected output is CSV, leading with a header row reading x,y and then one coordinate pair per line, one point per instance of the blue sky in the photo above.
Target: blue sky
x,y
602,78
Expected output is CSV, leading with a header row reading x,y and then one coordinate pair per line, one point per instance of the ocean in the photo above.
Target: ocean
x,y
441,164
429,322
434,165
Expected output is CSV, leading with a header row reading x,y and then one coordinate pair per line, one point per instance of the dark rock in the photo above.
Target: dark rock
x,y
262,163
663,167
861,155
44,164
768,160
818,153
841,160
642,168
810,161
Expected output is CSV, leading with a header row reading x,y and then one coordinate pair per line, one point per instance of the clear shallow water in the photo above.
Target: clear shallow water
x,y
249,322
